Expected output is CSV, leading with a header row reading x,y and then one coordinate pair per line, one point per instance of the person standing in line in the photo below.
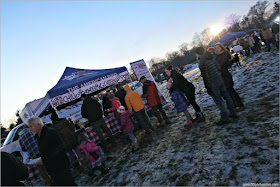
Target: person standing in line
x,y
115,105
91,109
127,126
214,85
269,38
180,102
150,92
52,151
223,58
180,82
136,108
29,144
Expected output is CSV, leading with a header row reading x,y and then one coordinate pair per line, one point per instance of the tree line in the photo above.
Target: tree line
x,y
258,17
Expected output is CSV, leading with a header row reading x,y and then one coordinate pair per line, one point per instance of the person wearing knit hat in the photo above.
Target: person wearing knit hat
x,y
211,49
126,87
214,85
136,107
127,126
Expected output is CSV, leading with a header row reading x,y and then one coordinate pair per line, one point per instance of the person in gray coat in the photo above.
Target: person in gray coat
x,y
214,85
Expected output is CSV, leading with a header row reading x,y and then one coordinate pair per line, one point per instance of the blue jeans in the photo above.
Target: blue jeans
x,y
132,137
220,93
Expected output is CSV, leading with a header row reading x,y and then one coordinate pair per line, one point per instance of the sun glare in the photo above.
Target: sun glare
x,y
216,29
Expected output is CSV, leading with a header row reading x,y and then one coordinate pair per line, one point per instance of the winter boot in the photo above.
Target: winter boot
x,y
199,117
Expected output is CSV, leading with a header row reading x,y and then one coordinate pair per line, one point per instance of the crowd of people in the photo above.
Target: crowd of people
x,y
253,41
52,143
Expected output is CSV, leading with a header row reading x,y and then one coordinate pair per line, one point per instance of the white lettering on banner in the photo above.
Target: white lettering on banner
x,y
88,87
140,69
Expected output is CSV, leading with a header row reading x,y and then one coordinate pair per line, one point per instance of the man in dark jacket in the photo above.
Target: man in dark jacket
x,y
91,109
214,84
106,103
52,151
12,170
150,92
121,93
181,83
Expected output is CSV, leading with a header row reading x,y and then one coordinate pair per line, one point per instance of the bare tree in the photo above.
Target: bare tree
x,y
197,41
184,48
153,60
256,14
232,22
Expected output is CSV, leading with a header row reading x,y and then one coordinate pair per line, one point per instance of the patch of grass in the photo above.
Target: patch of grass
x,y
123,183
254,154
172,177
263,161
247,141
143,174
222,183
273,144
274,170
250,118
184,180
233,173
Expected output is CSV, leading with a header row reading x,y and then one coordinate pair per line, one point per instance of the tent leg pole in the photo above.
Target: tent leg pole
x,y
56,111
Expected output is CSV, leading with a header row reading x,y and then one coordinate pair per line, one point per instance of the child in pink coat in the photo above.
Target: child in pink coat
x,y
93,152
127,126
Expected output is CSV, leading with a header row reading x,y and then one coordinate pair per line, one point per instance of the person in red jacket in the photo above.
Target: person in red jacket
x,y
150,92
127,126
115,105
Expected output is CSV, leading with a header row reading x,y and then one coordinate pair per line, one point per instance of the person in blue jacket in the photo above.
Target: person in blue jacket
x,y
181,103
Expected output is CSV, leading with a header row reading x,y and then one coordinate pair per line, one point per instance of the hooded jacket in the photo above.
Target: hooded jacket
x,y
179,99
126,122
134,101
88,147
91,109
150,92
210,71
115,105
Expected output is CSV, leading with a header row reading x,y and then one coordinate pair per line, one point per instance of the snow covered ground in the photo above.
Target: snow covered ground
x,y
244,151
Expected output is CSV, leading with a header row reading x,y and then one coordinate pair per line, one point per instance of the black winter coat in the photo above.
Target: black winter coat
x,y
210,71
106,103
52,150
181,83
91,109
223,61
121,95
12,170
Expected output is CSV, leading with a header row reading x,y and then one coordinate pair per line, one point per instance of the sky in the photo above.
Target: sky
x,y
40,38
